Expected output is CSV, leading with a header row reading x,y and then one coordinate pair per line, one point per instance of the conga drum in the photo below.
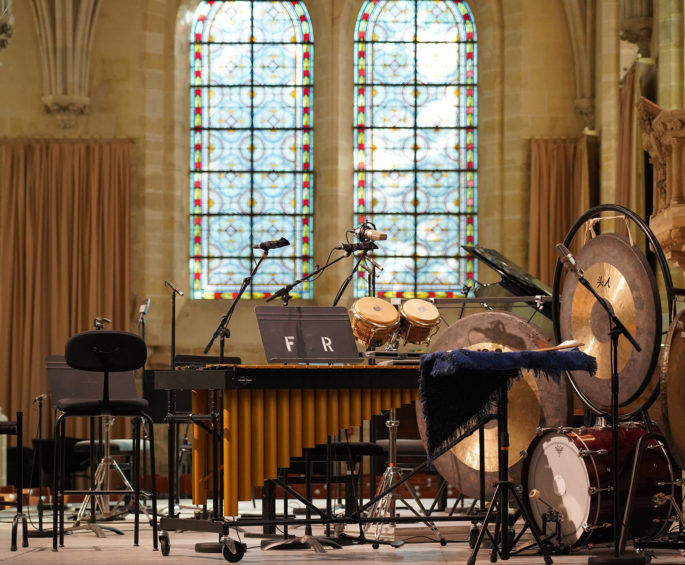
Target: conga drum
x,y
419,320
373,320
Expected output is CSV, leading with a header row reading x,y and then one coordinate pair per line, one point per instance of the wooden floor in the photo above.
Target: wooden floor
x,y
85,547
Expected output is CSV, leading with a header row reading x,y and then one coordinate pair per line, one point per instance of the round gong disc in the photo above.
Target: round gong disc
x,y
620,274
532,402
673,389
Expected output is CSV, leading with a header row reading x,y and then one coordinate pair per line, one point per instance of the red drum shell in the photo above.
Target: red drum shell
x,y
571,470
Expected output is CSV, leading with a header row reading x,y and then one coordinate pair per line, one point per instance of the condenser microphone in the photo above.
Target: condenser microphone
x,y
365,232
273,244
173,287
568,260
361,246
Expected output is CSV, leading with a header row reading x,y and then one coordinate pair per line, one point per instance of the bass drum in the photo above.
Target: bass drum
x,y
532,402
570,471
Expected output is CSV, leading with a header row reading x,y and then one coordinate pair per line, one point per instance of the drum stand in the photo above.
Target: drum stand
x,y
386,506
502,541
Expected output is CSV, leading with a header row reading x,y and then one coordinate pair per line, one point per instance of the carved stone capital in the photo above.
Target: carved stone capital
x,y
6,32
638,31
585,107
66,108
669,228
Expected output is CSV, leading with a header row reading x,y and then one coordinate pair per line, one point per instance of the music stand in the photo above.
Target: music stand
x,y
312,334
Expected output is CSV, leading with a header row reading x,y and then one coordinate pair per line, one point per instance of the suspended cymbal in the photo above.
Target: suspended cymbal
x,y
673,389
532,402
620,274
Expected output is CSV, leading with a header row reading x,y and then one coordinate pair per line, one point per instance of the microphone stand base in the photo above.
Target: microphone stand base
x,y
611,559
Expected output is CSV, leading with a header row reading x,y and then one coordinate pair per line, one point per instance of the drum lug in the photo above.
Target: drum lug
x,y
595,490
588,528
523,453
675,482
592,453
565,430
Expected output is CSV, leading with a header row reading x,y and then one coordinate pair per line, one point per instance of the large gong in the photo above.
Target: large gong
x,y
533,401
673,389
621,275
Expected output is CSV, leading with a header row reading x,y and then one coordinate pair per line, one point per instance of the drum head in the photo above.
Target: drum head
x,y
532,402
620,274
557,471
420,311
376,311
673,389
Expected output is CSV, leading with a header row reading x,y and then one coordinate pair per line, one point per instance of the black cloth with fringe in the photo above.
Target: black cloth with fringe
x,y
458,389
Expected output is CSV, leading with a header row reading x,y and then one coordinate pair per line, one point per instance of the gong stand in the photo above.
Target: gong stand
x,y
502,542
616,329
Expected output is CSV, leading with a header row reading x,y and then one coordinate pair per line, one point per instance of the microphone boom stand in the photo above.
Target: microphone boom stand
x,y
284,293
616,330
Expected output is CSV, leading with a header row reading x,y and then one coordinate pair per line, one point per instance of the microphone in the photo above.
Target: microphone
x,y
144,307
99,323
39,398
273,244
173,287
376,265
568,260
365,232
361,246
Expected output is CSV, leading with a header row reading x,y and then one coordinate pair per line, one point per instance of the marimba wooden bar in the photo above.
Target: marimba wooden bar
x,y
272,412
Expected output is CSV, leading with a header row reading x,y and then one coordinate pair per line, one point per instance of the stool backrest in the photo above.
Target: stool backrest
x,y
106,351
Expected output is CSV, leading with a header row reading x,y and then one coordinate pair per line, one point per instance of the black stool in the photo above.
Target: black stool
x,y
15,429
104,352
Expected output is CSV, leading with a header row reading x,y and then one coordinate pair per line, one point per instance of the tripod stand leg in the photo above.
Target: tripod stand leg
x,y
484,526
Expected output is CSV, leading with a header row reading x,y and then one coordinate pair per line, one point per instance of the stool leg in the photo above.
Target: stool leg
x,y
136,480
151,433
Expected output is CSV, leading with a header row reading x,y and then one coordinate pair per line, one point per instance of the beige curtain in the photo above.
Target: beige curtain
x,y
626,127
559,193
64,233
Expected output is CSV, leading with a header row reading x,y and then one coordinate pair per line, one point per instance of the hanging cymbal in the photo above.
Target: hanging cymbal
x,y
532,402
620,274
673,389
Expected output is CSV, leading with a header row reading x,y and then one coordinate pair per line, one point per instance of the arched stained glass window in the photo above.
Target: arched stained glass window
x,y
250,138
415,142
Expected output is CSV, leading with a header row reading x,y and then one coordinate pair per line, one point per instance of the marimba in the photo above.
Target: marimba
x,y
272,412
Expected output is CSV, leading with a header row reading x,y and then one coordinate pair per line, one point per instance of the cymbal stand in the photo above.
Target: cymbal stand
x,y
102,481
387,505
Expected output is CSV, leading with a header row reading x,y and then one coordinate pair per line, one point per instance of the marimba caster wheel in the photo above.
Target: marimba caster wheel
x,y
375,545
443,542
240,549
164,545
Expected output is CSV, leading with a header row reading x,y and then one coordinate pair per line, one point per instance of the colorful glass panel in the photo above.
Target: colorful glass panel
x,y
415,140
251,85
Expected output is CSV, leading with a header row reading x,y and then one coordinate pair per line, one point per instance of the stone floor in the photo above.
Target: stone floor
x,y
113,548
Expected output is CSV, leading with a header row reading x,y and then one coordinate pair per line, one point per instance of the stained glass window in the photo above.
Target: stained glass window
x,y
415,139
251,85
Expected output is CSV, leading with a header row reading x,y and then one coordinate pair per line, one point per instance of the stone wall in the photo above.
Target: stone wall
x,y
138,89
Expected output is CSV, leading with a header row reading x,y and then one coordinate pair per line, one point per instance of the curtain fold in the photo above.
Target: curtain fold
x,y
626,128
65,233
559,193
